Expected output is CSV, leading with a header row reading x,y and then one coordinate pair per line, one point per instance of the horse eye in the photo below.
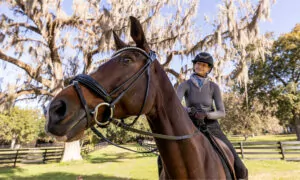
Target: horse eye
x,y
127,60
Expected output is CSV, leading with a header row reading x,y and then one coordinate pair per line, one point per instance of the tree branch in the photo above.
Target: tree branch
x,y
255,17
19,93
279,78
29,39
297,78
179,76
88,56
28,69
168,59
226,34
147,20
166,39
34,19
157,7
173,72
32,28
163,40
55,58
33,91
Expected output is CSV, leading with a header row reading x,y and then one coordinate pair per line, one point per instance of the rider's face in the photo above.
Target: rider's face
x,y
201,68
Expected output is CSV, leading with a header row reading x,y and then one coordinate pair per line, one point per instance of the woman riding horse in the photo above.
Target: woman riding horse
x,y
130,83
200,94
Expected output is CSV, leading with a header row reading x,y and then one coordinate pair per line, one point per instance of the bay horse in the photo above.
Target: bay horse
x,y
126,76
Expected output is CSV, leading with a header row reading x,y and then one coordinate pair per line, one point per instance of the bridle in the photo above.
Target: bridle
x,y
93,85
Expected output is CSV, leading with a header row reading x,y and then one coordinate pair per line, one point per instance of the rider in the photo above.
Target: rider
x,y
200,93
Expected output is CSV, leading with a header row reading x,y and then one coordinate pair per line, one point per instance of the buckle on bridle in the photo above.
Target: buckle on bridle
x,y
96,114
152,55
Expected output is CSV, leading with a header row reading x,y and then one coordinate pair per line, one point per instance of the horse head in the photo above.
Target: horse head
x,y
125,85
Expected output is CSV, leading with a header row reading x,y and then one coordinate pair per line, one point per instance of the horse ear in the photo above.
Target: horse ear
x,y
137,34
118,42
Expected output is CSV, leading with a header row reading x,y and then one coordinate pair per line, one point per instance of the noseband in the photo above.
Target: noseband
x,y
109,102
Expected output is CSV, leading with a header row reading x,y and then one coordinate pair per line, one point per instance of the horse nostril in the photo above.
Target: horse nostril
x,y
59,109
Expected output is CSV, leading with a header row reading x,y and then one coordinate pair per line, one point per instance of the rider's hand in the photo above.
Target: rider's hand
x,y
192,111
200,115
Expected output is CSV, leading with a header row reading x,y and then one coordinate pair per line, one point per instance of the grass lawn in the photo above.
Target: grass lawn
x,y
114,163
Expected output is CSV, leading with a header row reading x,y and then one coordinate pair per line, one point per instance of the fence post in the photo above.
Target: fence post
x,y
242,150
282,150
16,158
45,155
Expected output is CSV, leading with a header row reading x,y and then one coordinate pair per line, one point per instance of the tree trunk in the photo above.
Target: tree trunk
x,y
296,119
13,143
72,151
245,137
297,127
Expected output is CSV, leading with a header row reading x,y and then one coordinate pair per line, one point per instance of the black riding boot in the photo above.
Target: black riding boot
x,y
159,165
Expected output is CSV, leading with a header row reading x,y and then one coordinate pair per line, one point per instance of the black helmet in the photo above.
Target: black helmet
x,y
204,57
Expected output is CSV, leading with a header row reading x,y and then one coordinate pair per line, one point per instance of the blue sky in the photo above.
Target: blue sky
x,y
284,14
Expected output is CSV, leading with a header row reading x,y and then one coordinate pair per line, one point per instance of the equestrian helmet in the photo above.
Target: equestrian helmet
x,y
204,57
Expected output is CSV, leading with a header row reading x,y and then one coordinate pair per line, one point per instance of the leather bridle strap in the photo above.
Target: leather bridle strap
x,y
93,85
155,135
99,134
83,103
133,80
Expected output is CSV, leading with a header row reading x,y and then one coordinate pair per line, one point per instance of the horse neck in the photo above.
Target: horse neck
x,y
168,115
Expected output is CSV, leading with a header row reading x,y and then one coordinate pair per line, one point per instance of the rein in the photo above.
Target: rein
x,y
156,135
95,87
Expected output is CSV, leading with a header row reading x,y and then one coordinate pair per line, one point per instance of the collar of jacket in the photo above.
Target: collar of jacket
x,y
194,78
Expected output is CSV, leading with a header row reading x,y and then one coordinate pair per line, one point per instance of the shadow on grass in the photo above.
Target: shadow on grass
x,y
64,176
112,157
10,170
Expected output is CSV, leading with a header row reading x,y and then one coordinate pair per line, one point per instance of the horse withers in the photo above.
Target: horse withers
x,y
132,82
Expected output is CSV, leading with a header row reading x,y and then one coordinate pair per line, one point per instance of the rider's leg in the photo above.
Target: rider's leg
x,y
240,169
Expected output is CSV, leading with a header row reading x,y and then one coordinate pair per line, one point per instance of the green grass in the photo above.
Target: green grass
x,y
114,163
275,170
107,163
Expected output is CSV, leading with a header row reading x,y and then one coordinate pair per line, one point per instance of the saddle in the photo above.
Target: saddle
x,y
201,125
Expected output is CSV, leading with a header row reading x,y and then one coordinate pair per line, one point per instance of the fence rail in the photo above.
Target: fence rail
x,y
39,155
269,150
272,150
30,155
